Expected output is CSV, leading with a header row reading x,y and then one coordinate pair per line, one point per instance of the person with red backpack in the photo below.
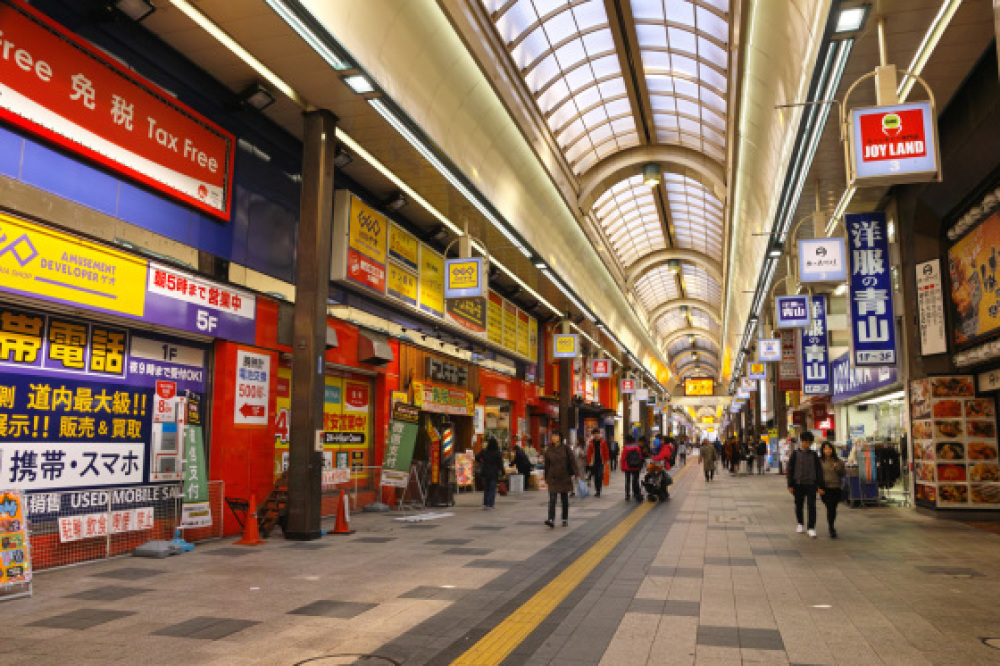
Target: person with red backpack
x,y
631,463
597,456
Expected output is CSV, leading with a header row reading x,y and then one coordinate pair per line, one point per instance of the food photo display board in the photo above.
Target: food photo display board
x,y
955,461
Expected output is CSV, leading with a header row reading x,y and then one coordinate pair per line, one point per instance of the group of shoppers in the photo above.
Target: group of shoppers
x,y
809,474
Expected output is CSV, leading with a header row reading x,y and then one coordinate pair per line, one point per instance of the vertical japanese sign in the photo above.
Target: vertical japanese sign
x,y
494,319
431,282
434,451
366,247
930,308
253,376
399,451
14,546
533,339
815,352
510,326
523,344
789,378
873,326
196,511
76,96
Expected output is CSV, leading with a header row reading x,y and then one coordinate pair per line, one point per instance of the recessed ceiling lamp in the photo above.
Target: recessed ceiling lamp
x,y
342,158
137,10
359,84
691,338
396,202
674,266
651,174
256,96
851,19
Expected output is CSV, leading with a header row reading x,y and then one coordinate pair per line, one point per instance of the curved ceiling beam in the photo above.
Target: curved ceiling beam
x,y
688,352
704,366
672,159
681,332
653,260
668,306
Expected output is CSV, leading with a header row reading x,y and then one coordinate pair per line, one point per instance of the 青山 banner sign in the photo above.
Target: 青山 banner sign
x,y
59,87
565,345
815,352
769,350
893,144
465,278
873,329
600,368
793,311
822,260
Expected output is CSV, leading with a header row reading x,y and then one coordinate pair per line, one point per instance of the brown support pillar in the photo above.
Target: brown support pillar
x,y
757,425
312,285
627,411
644,417
565,393
780,412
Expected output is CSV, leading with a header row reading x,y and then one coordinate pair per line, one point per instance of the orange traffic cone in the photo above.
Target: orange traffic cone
x,y
251,534
343,524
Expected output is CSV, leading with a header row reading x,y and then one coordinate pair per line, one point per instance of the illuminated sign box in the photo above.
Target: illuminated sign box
x,y
757,371
600,368
628,386
893,144
822,260
565,345
465,278
792,311
694,387
769,350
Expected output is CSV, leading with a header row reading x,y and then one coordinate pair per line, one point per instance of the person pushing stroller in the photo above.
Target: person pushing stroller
x,y
656,480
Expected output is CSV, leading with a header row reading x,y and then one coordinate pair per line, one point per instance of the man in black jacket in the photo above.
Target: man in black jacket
x,y
805,478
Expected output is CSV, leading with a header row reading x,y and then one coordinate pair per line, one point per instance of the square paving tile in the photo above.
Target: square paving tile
x,y
685,608
488,528
128,573
647,606
778,552
206,628
436,593
731,561
82,618
373,539
718,636
761,639
951,571
490,564
468,551
675,572
230,551
449,542
328,608
108,593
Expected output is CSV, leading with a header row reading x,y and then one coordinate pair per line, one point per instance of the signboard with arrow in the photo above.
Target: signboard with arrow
x,y
252,382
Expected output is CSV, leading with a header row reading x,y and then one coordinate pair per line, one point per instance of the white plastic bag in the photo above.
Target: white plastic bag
x,y
582,489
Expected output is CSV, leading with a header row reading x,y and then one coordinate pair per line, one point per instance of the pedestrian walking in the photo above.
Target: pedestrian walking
x,y
597,456
834,472
632,462
616,450
490,464
805,479
560,469
682,451
761,455
580,452
709,458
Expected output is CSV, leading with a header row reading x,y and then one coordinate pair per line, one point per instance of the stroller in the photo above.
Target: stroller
x,y
656,481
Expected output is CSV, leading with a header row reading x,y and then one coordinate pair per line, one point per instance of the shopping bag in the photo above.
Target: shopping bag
x,y
582,489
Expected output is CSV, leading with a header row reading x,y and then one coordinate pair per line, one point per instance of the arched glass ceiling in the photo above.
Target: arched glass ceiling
x,y
696,214
566,55
678,347
684,45
699,284
675,321
627,215
656,286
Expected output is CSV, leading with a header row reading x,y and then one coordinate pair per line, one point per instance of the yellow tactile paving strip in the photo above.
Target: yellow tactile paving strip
x,y
497,645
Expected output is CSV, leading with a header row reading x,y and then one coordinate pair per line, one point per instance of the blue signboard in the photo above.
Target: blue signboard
x,y
873,330
793,311
769,350
894,143
849,381
815,352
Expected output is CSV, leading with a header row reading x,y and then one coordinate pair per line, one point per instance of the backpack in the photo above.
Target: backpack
x,y
633,459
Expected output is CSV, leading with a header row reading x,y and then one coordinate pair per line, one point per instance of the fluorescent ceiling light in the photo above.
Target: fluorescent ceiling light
x,y
359,83
222,37
851,19
307,34
927,46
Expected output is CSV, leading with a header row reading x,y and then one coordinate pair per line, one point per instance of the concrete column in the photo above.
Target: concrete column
x,y
312,284
566,411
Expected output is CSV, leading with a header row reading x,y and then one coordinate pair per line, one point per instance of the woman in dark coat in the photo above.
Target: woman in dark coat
x,y
491,463
560,468
522,463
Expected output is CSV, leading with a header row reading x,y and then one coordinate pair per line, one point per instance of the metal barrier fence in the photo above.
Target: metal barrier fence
x,y
360,480
68,528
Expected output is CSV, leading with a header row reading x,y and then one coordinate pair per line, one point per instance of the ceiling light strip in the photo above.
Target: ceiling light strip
x,y
310,36
927,46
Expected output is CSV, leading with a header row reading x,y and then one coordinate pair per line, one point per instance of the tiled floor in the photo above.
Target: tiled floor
x,y
716,576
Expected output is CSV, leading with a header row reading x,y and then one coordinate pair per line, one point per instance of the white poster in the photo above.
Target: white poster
x,y
93,525
930,308
252,380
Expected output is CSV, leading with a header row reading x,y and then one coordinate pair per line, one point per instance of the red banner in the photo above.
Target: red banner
x,y
789,378
59,87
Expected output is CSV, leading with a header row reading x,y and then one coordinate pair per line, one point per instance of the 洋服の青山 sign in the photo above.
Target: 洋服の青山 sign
x,y
61,88
894,144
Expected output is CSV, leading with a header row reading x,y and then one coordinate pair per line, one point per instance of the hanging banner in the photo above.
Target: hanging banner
x,y
748,383
78,97
600,368
756,370
822,260
565,345
769,350
697,387
642,394
465,278
402,437
930,308
873,326
849,382
792,311
14,546
742,394
434,452
815,352
431,281
196,511
893,144
789,378
628,386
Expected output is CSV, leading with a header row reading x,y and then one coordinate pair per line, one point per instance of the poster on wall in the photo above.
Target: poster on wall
x,y
523,345
975,291
954,444
873,326
15,548
401,284
195,510
930,308
510,326
253,376
88,103
403,247
494,319
367,230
